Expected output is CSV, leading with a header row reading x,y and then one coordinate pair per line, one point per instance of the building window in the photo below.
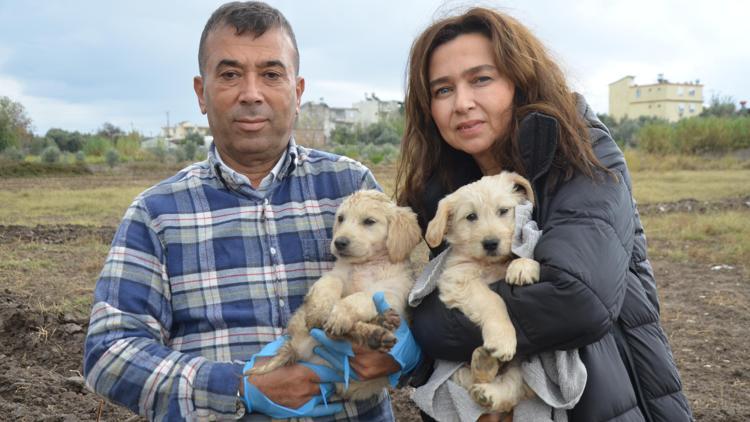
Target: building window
x,y
692,108
638,93
680,91
691,92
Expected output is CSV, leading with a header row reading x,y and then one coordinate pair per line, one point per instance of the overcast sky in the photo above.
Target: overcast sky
x,y
78,64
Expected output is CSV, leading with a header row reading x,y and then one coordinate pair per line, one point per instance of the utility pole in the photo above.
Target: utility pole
x,y
169,131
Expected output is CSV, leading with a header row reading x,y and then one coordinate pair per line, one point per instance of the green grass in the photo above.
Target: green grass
x,y
670,186
94,206
715,238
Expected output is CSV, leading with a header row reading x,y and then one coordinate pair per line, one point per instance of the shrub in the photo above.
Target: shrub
x,y
13,154
701,135
80,157
112,157
51,154
97,146
656,138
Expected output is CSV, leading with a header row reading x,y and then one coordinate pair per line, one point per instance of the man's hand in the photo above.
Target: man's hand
x,y
370,364
292,391
290,386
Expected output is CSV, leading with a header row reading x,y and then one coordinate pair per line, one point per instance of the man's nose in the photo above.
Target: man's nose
x,y
251,90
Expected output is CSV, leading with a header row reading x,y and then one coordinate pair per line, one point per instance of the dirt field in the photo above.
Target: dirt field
x,y
705,311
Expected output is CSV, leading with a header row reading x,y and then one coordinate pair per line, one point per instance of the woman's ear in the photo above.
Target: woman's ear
x,y
437,228
403,234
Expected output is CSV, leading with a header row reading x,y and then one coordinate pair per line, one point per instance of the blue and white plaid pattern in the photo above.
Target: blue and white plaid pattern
x,y
203,271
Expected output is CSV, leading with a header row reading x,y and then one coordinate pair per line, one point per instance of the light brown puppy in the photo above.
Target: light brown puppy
x,y
372,241
478,221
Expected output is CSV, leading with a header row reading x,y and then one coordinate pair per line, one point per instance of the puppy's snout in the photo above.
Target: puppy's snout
x,y
490,244
341,243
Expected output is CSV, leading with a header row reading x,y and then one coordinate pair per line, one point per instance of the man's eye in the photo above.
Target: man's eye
x,y
230,75
472,217
272,75
368,221
502,211
341,218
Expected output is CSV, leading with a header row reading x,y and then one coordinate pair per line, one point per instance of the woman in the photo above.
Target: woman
x,y
483,96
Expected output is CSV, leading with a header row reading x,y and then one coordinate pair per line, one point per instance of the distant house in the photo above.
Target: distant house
x,y
664,99
317,120
181,130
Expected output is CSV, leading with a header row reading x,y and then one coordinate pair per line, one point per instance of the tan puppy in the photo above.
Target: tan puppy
x,y
372,240
478,221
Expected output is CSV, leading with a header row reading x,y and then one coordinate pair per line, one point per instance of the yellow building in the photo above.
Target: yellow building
x,y
664,99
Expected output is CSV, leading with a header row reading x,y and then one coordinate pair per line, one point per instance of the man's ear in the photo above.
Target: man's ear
x,y
299,89
198,87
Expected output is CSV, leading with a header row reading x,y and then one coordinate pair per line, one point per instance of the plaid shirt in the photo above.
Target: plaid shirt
x,y
203,271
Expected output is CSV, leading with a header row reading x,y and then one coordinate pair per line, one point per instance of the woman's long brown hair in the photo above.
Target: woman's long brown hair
x,y
539,85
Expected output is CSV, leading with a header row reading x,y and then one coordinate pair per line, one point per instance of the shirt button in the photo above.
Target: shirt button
x,y
265,201
281,302
273,251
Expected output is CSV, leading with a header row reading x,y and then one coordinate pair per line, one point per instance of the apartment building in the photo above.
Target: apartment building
x,y
667,100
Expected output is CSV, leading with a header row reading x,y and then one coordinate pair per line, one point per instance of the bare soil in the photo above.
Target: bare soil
x,y
705,312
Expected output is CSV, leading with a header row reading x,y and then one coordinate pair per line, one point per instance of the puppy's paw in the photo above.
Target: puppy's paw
x,y
339,322
522,271
381,339
390,320
484,366
502,348
486,395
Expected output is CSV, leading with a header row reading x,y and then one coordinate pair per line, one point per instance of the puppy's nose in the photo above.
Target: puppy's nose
x,y
490,245
341,243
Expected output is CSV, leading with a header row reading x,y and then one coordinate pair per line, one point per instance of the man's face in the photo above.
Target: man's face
x,y
251,94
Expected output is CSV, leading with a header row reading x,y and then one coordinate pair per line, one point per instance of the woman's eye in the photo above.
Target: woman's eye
x,y
502,211
472,217
482,79
368,221
442,91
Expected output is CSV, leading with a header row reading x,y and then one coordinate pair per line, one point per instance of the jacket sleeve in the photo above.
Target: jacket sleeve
x,y
584,253
126,359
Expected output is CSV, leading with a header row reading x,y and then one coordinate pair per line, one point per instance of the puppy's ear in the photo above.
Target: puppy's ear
x,y
437,227
522,187
403,234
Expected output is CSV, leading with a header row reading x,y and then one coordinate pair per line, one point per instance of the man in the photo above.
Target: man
x,y
207,267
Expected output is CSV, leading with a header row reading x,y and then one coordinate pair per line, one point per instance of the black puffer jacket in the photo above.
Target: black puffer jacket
x,y
596,293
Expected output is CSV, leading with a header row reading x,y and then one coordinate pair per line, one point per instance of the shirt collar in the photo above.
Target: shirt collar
x,y
233,179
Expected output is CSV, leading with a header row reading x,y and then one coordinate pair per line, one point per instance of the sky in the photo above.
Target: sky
x,y
76,64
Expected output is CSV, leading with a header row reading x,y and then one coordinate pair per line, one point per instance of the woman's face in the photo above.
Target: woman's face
x,y
471,101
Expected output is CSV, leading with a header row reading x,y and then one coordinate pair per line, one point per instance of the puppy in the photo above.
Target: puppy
x,y
372,241
478,221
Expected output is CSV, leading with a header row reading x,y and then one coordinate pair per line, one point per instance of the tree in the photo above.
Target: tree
x,y
719,107
66,141
110,131
15,125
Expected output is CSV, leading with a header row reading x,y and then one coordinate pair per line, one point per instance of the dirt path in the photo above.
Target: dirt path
x,y
705,311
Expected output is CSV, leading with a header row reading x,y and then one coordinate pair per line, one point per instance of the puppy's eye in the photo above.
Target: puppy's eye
x,y
472,217
341,218
368,221
502,211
